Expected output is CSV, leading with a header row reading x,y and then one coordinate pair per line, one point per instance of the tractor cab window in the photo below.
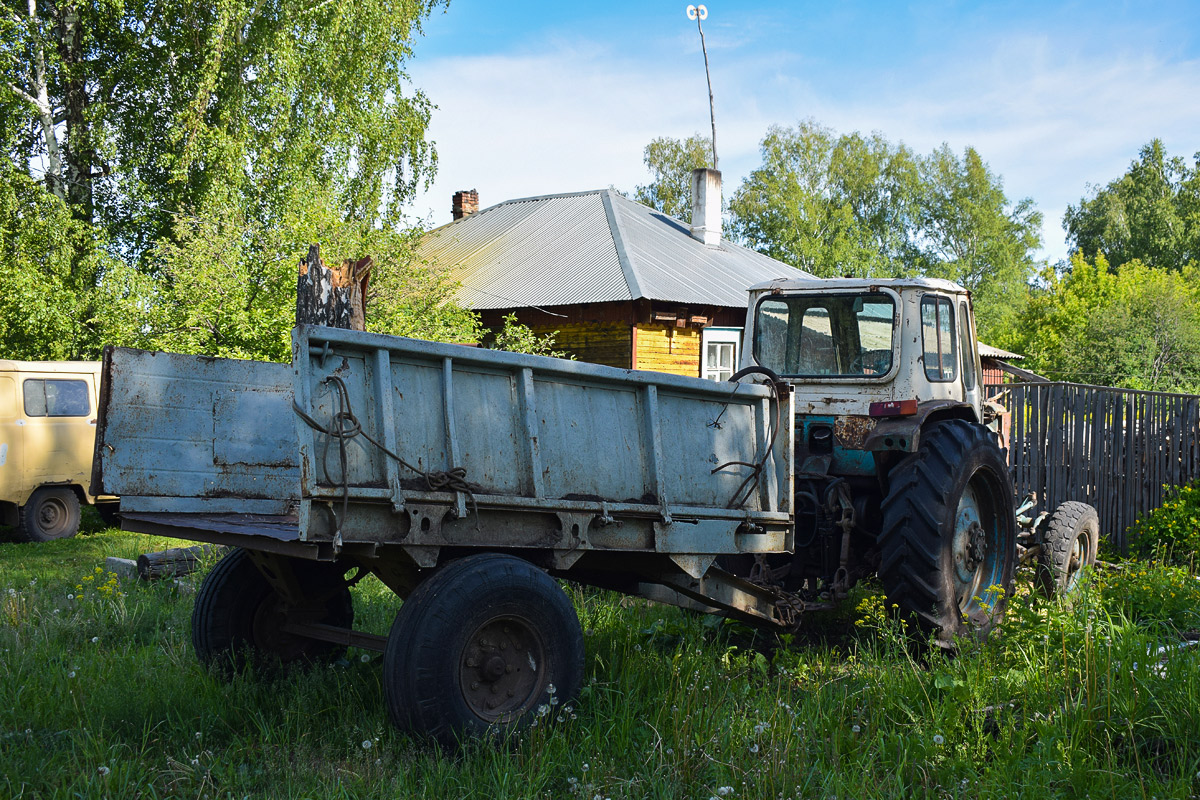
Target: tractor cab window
x,y
937,333
826,336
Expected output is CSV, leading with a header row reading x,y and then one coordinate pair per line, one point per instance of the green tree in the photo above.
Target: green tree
x,y
49,302
969,233
831,205
228,283
517,338
140,110
192,152
1134,326
1151,213
861,206
671,162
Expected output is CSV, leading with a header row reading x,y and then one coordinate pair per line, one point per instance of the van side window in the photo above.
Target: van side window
x,y
56,398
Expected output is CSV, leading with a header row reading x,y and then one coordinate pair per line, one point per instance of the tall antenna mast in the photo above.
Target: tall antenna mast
x,y
699,13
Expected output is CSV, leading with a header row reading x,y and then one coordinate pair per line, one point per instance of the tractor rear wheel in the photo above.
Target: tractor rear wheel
x,y
949,532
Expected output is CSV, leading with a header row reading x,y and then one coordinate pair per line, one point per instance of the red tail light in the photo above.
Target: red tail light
x,y
894,408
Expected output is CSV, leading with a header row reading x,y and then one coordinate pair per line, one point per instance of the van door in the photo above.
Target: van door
x,y
13,486
60,429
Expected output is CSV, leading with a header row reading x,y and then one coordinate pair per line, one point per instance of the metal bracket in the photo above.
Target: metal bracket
x,y
425,521
323,354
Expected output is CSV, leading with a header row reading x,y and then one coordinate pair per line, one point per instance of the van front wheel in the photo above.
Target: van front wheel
x,y
51,513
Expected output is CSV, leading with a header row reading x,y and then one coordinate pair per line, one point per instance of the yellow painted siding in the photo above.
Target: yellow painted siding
x,y
595,342
666,348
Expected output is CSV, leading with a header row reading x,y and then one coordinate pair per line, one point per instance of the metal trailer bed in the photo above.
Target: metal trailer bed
x,y
399,457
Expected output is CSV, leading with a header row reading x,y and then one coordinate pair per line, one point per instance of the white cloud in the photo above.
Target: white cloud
x,y
1048,116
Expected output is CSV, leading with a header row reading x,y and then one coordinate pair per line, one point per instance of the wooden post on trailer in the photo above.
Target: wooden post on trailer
x,y
335,298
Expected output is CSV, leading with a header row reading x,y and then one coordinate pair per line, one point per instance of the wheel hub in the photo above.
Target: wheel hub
x,y
970,551
501,673
52,514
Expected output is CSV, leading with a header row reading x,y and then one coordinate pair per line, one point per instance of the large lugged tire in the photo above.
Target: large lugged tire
x,y
1071,542
478,647
949,532
237,616
51,513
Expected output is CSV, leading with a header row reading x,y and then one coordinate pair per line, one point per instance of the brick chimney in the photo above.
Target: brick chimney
x,y
706,206
464,203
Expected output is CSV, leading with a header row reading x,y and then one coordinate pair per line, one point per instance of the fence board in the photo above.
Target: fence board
x,y
1114,448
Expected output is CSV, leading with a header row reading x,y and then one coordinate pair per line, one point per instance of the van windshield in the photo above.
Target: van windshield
x,y
821,335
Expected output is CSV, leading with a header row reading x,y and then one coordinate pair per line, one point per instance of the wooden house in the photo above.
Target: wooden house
x,y
620,283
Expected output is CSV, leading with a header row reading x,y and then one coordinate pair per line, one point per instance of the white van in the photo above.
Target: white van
x,y
47,435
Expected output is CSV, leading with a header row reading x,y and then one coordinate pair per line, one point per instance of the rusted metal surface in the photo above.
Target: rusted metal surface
x,y
401,450
196,429
528,434
851,432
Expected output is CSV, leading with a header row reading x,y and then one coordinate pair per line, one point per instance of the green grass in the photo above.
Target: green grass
x,y
101,696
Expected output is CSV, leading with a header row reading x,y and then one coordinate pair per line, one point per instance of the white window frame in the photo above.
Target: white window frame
x,y
719,336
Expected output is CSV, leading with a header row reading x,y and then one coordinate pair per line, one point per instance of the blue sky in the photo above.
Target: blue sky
x,y
546,97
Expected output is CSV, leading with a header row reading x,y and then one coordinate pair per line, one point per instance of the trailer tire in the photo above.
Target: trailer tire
x,y
483,645
237,615
51,513
1071,543
949,532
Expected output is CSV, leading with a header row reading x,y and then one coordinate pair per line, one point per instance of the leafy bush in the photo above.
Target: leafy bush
x,y
1152,594
1171,532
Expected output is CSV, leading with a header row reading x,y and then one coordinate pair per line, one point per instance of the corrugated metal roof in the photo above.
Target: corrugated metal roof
x,y
987,351
590,247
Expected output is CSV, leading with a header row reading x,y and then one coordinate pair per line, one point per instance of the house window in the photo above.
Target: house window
x,y
720,353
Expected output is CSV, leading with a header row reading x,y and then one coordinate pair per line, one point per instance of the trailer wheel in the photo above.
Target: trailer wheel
x,y
237,618
949,532
1071,542
479,646
51,513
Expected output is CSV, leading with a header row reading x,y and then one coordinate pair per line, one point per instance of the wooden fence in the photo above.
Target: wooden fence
x,y
1112,448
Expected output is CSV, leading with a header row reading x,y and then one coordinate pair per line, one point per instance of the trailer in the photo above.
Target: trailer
x,y
467,480
854,442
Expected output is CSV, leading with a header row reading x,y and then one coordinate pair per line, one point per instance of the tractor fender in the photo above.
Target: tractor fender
x,y
903,434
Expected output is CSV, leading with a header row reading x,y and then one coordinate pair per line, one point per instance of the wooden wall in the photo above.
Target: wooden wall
x,y
667,348
608,343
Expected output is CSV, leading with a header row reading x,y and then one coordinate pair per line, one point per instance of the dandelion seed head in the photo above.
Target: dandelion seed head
x,y
366,744
857,729
95,639
364,658
938,739
103,770
71,674
754,747
724,791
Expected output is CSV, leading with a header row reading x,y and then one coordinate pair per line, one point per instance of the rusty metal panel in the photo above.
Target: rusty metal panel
x,y
430,445
615,441
196,428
